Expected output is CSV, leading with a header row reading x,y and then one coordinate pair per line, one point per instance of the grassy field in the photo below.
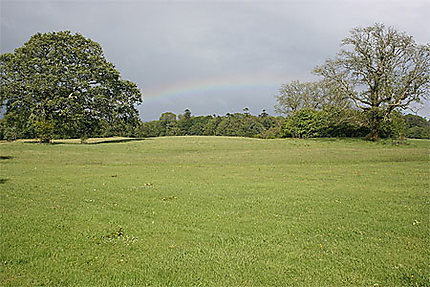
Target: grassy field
x,y
215,211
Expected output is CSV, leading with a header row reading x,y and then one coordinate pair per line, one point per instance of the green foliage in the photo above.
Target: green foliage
x,y
339,122
238,124
417,127
344,122
168,124
44,130
10,133
65,79
306,123
215,211
418,132
271,133
197,126
185,122
211,126
330,122
394,126
243,125
147,129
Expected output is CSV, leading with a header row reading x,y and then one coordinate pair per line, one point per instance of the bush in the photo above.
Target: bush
x,y
417,127
306,123
272,133
345,122
393,127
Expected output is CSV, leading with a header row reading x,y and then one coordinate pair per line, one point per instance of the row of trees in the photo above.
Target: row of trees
x,y
237,124
303,123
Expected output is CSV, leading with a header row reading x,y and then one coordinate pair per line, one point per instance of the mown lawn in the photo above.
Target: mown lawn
x,y
215,211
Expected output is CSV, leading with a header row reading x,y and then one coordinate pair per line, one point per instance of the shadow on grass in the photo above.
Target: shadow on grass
x,y
3,180
4,157
89,142
118,140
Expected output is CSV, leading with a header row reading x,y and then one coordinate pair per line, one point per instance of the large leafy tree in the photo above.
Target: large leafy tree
x,y
60,83
381,70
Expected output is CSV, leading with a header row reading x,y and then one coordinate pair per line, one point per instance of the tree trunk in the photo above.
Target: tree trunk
x,y
373,135
44,141
375,118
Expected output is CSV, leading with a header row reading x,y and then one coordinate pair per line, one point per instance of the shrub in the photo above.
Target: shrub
x,y
306,123
393,127
417,127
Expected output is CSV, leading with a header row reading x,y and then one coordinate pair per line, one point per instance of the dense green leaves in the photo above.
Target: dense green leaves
x,y
238,124
304,123
63,80
417,127
335,122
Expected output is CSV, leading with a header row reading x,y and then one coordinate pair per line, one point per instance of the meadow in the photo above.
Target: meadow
x,y
215,211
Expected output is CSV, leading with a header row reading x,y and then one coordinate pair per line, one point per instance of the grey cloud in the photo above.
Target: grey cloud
x,y
161,43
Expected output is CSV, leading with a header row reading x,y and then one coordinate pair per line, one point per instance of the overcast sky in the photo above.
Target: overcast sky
x,y
212,57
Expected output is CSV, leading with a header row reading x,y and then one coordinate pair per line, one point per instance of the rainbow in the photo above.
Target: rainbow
x,y
210,85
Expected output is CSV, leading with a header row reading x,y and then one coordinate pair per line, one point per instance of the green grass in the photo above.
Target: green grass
x,y
215,211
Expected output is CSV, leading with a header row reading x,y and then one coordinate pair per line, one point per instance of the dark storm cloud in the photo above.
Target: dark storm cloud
x,y
164,44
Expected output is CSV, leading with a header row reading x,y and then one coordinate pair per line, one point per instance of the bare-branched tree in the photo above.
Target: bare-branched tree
x,y
380,70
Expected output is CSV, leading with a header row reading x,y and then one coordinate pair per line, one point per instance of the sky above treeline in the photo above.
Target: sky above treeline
x,y
212,57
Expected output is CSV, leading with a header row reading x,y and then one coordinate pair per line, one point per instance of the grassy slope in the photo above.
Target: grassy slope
x,y
215,211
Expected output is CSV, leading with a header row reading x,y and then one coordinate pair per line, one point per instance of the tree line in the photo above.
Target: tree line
x,y
305,123
232,124
59,85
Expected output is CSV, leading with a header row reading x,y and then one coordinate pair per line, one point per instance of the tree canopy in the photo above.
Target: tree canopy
x,y
60,83
380,70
